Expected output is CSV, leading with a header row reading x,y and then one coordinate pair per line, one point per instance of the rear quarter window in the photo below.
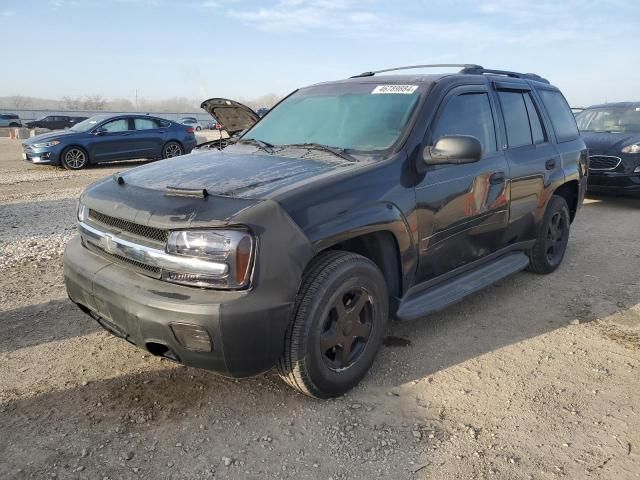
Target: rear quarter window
x,y
563,121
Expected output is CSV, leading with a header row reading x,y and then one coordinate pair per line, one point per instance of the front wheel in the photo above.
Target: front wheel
x,y
172,149
551,244
337,327
74,158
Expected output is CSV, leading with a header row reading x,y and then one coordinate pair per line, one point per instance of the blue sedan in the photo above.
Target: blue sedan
x,y
105,138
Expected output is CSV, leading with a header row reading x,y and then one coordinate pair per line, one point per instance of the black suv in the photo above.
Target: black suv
x,y
55,122
351,202
612,134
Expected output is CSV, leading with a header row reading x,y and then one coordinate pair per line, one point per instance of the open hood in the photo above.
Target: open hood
x,y
233,116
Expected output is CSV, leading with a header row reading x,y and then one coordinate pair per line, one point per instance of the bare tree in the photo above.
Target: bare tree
x,y
94,102
72,103
20,102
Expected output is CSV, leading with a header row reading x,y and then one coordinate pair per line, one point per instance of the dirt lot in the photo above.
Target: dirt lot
x,y
536,377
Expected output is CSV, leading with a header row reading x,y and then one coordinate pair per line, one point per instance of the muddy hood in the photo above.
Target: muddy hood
x,y
233,116
233,181
226,174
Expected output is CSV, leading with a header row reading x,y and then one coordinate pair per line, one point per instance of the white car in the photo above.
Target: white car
x,y
191,122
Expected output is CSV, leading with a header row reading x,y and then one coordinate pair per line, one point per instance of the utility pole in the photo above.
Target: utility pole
x,y
136,99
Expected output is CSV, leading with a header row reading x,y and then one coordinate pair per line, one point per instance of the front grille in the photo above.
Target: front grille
x,y
139,265
151,233
603,162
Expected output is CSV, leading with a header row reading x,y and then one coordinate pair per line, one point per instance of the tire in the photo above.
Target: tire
x,y
74,158
172,149
198,129
15,125
343,301
551,244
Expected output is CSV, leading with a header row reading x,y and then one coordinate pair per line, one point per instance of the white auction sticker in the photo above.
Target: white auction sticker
x,y
404,89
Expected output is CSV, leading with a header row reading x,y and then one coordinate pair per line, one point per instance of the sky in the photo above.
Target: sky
x,y
245,49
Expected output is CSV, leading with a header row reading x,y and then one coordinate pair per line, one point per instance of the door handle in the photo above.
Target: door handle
x,y
550,164
497,178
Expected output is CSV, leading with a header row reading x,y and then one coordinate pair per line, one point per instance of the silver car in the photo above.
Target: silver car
x,y
191,122
10,120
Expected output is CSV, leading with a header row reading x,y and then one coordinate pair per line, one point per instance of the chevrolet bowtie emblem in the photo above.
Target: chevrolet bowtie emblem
x,y
107,243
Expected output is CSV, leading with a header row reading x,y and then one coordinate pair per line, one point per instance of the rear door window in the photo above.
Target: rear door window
x,y
144,124
563,121
516,119
467,114
537,130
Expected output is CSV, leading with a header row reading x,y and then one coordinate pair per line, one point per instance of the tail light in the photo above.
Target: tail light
x,y
190,130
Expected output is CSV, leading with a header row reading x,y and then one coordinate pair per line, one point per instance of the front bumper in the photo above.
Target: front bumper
x,y
246,327
614,182
42,156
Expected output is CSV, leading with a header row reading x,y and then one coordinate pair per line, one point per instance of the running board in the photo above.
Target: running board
x,y
450,291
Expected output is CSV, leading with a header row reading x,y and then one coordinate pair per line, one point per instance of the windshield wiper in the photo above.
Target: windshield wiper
x,y
266,146
338,152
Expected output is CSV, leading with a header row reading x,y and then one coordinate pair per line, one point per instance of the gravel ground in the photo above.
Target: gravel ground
x,y
534,378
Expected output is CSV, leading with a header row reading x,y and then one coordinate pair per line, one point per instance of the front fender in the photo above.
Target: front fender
x,y
377,217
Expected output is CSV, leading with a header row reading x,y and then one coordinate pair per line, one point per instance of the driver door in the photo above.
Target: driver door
x,y
113,140
463,209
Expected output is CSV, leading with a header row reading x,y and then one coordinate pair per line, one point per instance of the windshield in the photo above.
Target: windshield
x,y
87,124
610,119
360,116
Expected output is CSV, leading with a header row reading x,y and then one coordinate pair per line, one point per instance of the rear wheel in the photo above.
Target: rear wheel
x,y
74,158
551,244
172,149
338,324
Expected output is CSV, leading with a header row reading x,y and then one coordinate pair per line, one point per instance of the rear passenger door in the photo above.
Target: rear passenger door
x,y
462,209
533,159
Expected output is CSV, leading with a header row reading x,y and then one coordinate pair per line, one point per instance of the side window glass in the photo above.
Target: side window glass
x,y
563,121
516,119
534,119
120,125
144,124
467,114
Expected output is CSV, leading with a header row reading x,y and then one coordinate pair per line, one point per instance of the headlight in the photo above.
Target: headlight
x,y
633,148
52,143
233,248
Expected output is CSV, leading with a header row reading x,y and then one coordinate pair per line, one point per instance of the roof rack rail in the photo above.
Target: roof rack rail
x,y
477,70
464,66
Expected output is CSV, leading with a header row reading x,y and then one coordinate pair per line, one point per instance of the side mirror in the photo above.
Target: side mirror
x,y
455,149
100,131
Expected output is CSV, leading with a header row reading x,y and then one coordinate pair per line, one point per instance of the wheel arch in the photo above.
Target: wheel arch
x,y
570,191
373,232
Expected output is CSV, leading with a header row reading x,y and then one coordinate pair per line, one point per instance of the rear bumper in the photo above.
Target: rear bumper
x,y
246,327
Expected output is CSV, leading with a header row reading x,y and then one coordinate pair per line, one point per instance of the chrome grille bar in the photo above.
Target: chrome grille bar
x,y
152,257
